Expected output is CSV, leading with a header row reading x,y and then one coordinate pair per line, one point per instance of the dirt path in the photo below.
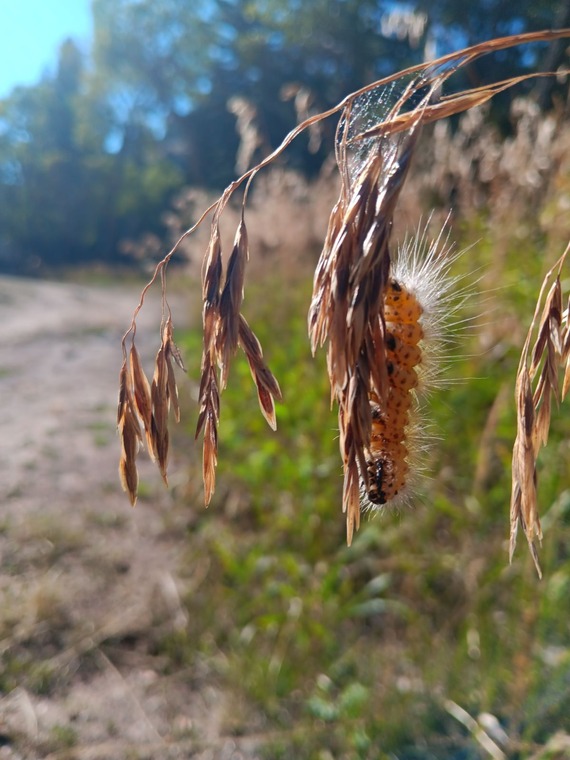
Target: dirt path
x,y
59,357
79,567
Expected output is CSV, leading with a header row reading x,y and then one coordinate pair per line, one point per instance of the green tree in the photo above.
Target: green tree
x,y
64,198
40,162
174,66
452,25
92,154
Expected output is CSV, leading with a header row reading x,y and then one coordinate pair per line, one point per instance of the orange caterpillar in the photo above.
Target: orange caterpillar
x,y
419,305
387,460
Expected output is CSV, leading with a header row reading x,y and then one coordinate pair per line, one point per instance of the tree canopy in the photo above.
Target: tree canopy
x,y
92,154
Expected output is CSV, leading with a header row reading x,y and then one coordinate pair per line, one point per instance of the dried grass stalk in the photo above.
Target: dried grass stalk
x,y
539,367
373,156
224,329
347,304
144,407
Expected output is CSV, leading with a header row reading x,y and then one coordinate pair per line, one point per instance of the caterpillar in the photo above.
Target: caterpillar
x,y
419,303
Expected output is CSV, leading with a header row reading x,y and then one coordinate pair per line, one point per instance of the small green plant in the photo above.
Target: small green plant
x,y
63,737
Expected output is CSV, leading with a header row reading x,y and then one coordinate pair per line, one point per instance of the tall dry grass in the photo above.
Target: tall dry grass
x,y
546,352
520,181
377,142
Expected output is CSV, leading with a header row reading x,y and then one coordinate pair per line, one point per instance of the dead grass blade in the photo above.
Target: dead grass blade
x,y
267,386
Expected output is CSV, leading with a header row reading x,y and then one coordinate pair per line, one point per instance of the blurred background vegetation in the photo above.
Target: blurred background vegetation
x,y
419,641
93,155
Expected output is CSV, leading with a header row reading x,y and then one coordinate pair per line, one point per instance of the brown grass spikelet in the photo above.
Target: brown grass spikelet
x,y
566,352
141,396
164,394
225,328
208,418
130,434
173,356
143,407
267,386
160,406
539,367
210,456
231,300
211,279
523,498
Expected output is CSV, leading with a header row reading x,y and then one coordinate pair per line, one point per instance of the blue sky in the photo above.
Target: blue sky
x,y
30,34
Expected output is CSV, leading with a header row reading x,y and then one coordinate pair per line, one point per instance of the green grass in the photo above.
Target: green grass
x,y
352,653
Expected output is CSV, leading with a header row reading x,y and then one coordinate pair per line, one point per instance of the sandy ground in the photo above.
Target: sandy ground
x,y
85,577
